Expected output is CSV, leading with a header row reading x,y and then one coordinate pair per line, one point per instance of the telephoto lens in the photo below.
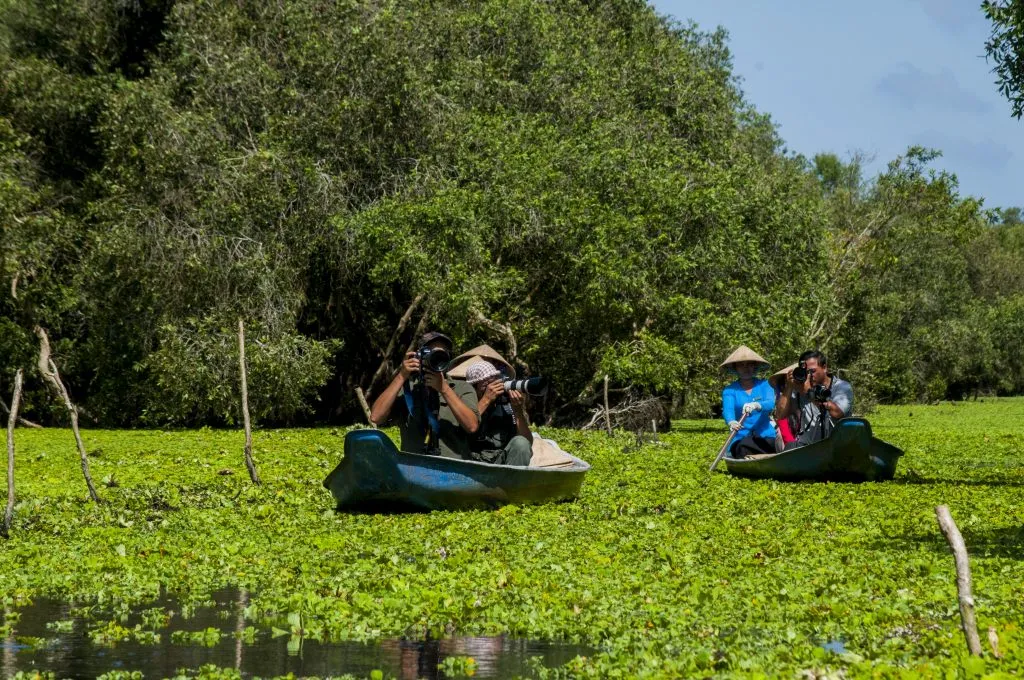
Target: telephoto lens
x,y
821,393
533,386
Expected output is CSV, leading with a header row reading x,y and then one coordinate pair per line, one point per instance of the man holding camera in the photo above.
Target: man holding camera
x,y
502,434
817,397
433,419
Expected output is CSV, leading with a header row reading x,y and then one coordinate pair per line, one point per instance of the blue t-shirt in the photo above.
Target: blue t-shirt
x,y
757,423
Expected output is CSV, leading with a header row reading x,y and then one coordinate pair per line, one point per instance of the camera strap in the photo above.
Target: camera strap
x,y
433,424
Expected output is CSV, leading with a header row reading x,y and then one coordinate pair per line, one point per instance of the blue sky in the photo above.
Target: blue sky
x,y
875,76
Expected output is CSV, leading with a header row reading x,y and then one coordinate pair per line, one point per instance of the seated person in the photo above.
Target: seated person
x,y
816,402
502,434
750,396
431,417
784,426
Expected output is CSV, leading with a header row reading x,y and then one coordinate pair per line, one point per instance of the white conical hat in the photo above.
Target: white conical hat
x,y
780,376
458,366
744,353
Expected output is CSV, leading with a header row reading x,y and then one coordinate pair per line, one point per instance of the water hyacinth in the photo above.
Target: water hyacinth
x,y
661,568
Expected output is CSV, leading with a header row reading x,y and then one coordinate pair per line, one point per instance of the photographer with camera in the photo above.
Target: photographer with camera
x,y
817,397
432,418
502,434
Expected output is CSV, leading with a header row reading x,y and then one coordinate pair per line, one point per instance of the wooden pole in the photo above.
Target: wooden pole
x,y
48,369
11,421
725,447
366,406
249,464
963,578
607,409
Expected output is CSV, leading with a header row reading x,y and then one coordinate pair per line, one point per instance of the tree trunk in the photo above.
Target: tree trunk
x,y
11,420
963,578
249,464
48,369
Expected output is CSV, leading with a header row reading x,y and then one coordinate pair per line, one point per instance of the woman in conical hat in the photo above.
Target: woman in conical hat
x,y
751,397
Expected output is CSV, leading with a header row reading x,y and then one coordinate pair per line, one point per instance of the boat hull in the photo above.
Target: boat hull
x,y
375,475
850,454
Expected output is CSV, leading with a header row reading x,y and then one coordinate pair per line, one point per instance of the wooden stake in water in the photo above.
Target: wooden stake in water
x,y
48,369
607,409
11,420
963,578
249,464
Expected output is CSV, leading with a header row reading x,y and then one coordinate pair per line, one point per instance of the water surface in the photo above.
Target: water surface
x,y
69,652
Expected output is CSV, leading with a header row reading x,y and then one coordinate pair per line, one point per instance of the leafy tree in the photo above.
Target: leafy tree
x,y
1005,48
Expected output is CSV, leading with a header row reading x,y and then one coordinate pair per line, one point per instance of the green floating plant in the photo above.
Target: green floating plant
x,y
659,569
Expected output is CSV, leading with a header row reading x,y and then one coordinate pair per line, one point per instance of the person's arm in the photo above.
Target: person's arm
x,y
491,393
784,405
841,404
518,402
383,403
729,414
767,398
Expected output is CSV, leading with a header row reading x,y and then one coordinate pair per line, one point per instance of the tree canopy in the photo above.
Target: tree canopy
x,y
1005,49
578,183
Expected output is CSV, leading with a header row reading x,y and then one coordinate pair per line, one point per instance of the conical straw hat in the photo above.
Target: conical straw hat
x,y
780,376
744,353
457,368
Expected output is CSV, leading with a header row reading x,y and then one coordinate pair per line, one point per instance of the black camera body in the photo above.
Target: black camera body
x,y
820,393
434,359
800,372
535,387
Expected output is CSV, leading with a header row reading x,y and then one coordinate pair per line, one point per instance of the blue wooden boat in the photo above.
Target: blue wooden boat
x,y
850,454
375,475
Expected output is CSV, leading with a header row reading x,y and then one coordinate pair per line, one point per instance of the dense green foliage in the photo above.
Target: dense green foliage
x,y
668,570
585,175
1005,47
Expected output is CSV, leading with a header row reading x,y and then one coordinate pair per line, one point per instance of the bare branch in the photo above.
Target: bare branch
x,y
48,369
399,329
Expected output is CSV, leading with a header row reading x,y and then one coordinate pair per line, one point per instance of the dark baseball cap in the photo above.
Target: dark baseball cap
x,y
434,336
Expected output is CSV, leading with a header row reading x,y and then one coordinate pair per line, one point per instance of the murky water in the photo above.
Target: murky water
x,y
69,652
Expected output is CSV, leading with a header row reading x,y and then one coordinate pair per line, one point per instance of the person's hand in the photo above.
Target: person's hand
x,y
409,366
494,389
793,386
751,407
734,425
518,400
434,381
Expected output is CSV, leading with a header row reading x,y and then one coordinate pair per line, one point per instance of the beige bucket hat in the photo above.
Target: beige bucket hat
x,y
780,376
744,353
457,368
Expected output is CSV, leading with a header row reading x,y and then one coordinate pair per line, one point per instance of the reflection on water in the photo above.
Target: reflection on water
x,y
67,650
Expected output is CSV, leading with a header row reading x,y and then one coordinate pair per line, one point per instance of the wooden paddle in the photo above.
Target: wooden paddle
x,y
727,443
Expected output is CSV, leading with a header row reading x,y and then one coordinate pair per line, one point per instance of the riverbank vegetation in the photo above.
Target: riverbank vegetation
x,y
580,184
665,569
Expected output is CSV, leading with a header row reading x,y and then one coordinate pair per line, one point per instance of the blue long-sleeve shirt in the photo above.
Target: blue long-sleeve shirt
x,y
757,423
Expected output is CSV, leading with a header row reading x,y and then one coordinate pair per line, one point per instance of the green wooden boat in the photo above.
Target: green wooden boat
x,y
851,454
374,475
